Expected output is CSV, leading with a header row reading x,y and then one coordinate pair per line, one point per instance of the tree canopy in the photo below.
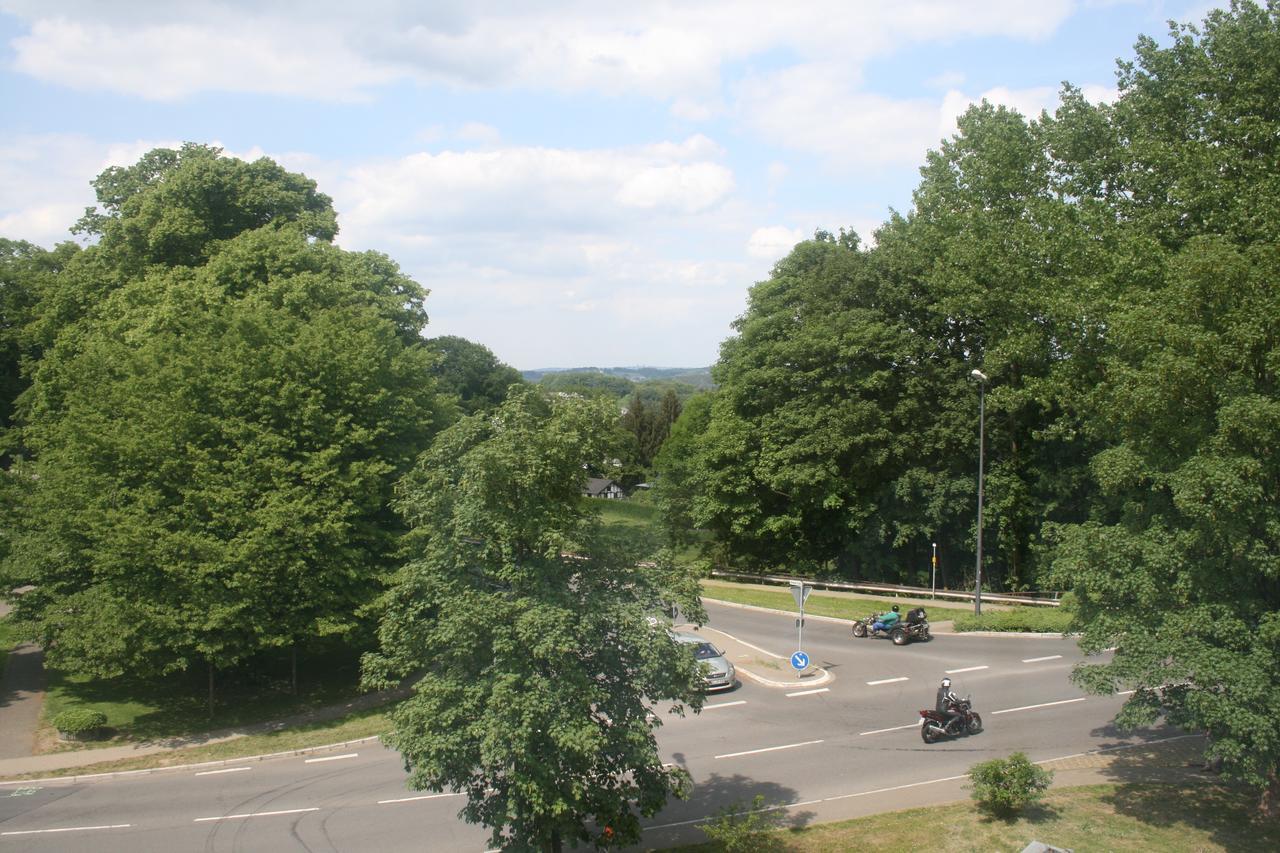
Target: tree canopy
x,y
524,625
214,437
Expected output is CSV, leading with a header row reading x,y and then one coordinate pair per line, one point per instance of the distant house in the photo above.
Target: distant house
x,y
600,488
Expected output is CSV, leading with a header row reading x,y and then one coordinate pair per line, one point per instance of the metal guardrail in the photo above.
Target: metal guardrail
x,y
1034,598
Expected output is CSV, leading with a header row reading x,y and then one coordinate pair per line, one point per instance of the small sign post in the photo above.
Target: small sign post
x,y
800,592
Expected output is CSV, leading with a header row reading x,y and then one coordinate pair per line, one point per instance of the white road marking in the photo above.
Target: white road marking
x,y
224,770
887,681
1038,660
67,829
1043,705
810,692
415,799
894,729
895,788
256,814
768,749
966,669
745,643
724,704
331,758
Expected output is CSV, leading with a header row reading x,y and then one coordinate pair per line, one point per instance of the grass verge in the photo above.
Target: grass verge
x,y
175,706
360,724
8,639
1192,816
818,604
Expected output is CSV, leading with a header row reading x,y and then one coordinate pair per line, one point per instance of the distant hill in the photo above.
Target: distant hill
x,y
699,377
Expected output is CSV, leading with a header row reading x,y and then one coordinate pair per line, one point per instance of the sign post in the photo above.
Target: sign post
x,y
800,592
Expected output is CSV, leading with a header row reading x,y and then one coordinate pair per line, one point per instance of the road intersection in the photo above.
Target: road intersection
x,y
839,742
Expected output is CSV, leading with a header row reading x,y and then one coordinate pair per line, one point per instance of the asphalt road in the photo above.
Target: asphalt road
x,y
822,752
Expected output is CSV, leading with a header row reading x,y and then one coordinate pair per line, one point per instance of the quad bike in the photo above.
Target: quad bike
x,y
914,627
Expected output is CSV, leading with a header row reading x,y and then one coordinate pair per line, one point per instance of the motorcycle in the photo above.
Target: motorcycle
x,y
934,725
914,627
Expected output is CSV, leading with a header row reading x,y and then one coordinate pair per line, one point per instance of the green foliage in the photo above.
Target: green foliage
x,y
1005,786
739,828
1028,619
215,439
472,373
79,721
524,623
588,383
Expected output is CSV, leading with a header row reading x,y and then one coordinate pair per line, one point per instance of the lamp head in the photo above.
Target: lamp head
x,y
978,375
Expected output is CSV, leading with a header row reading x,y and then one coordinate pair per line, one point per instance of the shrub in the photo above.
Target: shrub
x,y
79,721
744,829
1005,786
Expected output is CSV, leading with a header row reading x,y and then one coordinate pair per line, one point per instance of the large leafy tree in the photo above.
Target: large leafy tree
x,y
525,624
214,440
1178,569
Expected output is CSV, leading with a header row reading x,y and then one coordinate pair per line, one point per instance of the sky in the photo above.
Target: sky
x,y
575,183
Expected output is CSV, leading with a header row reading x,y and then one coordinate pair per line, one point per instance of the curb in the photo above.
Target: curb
x,y
224,762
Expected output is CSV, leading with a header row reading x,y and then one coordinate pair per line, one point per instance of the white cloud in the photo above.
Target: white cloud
x,y
774,241
334,49
44,181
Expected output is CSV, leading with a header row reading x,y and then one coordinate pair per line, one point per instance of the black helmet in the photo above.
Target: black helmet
x,y
895,608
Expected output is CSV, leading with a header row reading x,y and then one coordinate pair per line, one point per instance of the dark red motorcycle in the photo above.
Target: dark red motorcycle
x,y
934,725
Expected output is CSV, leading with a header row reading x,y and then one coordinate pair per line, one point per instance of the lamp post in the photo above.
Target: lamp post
x,y
982,444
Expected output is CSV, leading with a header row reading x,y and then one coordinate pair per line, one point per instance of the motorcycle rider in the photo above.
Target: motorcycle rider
x,y
885,621
946,704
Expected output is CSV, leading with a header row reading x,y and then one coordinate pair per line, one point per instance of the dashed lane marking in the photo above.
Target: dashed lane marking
x,y
966,669
1042,705
887,681
224,770
724,704
768,749
67,829
256,814
331,758
894,729
1038,660
415,799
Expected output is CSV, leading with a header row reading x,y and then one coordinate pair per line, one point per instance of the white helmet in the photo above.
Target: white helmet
x,y
946,682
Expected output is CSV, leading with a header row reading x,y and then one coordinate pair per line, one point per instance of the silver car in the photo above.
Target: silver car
x,y
717,672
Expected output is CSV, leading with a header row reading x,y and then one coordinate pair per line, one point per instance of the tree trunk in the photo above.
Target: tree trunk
x,y
211,690
293,670
1269,804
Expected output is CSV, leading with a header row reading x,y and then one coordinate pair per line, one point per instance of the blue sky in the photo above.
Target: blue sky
x,y
576,184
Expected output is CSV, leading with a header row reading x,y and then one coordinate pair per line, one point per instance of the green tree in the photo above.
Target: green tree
x,y
214,447
472,373
525,626
1177,568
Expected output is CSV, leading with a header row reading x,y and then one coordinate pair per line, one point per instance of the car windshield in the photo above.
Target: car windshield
x,y
705,651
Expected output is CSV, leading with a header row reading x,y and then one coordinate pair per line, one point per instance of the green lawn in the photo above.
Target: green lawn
x,y
820,603
845,606
354,726
8,639
176,705
1193,816
626,512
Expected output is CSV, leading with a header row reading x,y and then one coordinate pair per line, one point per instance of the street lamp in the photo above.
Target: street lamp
x,y
982,444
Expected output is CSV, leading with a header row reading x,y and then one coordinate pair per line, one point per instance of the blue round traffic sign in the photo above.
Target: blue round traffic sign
x,y
800,660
